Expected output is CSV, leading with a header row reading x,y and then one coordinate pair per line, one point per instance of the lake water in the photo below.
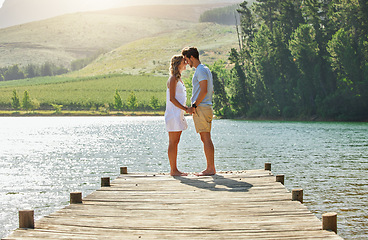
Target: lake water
x,y
43,159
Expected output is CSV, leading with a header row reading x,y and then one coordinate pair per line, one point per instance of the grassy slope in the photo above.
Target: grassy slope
x,y
152,55
73,36
175,11
66,38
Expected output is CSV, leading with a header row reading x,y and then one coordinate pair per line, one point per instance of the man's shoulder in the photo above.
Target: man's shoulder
x,y
202,68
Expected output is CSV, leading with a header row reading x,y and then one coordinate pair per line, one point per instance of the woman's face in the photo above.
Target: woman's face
x,y
183,65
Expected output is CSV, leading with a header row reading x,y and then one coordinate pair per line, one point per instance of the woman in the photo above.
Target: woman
x,y
176,97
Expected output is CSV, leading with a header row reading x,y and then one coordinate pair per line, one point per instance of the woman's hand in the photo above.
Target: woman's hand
x,y
190,110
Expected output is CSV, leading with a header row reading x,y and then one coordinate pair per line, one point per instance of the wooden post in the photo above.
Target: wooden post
x,y
26,219
297,195
268,166
329,221
123,170
105,182
75,197
280,178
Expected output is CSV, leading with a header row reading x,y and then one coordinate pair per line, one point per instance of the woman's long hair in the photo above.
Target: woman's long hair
x,y
174,66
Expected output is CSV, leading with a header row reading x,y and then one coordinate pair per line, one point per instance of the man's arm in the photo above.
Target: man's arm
x,y
202,94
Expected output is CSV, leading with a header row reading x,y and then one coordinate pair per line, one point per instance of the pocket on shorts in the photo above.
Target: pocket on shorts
x,y
203,119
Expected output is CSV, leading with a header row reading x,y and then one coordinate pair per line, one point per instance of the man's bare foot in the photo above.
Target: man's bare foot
x,y
178,173
206,173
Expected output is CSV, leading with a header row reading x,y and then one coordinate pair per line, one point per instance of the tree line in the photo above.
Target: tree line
x,y
297,59
225,15
131,104
15,72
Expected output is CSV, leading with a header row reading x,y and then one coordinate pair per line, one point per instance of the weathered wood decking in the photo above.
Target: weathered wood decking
x,y
236,205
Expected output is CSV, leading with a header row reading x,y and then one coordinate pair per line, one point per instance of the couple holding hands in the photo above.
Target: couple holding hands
x,y
201,108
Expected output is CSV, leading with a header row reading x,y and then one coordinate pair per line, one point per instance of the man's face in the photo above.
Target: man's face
x,y
189,61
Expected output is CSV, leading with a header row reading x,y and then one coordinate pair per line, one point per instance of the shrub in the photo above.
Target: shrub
x,y
132,102
154,104
26,101
35,104
15,101
118,102
57,108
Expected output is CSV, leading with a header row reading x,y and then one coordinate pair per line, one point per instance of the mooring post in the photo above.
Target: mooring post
x,y
123,170
75,197
329,221
280,178
26,219
297,195
268,166
105,182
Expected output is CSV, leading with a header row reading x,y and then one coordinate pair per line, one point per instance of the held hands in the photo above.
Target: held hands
x,y
190,110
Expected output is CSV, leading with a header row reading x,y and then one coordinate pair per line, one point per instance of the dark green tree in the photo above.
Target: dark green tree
x,y
26,101
350,96
31,71
118,102
221,78
154,104
247,24
15,101
14,73
238,91
264,76
46,69
132,102
316,14
268,11
304,49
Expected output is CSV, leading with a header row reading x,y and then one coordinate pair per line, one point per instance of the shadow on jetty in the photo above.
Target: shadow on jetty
x,y
216,183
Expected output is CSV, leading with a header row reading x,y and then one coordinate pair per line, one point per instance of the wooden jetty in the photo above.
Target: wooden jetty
x,y
229,205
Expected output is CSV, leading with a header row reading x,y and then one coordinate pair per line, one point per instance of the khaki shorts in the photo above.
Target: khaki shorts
x,y
203,118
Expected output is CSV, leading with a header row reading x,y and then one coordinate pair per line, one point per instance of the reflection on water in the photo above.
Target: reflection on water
x,y
43,159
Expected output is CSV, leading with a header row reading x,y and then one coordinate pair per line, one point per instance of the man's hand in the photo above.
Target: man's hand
x,y
191,110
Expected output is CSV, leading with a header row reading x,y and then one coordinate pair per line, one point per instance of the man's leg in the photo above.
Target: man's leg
x,y
209,151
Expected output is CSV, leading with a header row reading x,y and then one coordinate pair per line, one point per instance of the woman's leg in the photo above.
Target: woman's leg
x,y
174,138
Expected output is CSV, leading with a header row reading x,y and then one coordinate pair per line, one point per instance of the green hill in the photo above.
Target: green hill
x,y
152,55
63,39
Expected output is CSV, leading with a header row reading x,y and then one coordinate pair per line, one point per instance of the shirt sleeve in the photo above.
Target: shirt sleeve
x,y
202,75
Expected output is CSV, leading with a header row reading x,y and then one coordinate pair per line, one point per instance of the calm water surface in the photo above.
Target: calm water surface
x,y
43,159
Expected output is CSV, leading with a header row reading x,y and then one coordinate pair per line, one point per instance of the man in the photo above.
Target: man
x,y
202,106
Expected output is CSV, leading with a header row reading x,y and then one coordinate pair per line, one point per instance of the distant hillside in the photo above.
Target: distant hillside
x,y
152,55
180,11
14,12
73,36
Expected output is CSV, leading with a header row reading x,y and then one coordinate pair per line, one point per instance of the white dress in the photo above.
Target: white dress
x,y
174,116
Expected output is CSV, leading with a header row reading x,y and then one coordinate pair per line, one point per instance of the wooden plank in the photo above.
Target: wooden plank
x,y
233,205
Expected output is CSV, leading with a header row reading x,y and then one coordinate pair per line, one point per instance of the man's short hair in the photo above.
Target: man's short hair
x,y
190,51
